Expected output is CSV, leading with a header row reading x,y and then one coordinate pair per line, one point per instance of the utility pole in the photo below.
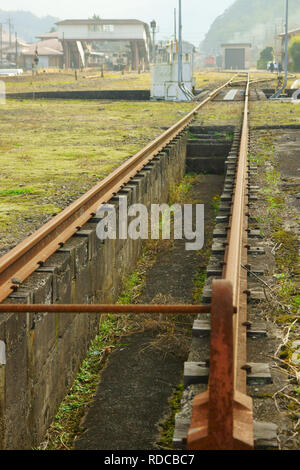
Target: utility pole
x,y
9,29
286,58
180,46
286,61
16,49
153,25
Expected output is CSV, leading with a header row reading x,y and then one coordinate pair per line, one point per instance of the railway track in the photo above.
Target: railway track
x,y
19,263
223,416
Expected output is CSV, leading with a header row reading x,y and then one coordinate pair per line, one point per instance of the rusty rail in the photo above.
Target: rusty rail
x,y
114,309
30,254
222,418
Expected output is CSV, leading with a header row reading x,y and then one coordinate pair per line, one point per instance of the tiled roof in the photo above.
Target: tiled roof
x,y
47,47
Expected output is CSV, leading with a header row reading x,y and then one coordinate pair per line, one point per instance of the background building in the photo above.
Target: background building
x,y
80,38
49,51
236,56
281,37
11,48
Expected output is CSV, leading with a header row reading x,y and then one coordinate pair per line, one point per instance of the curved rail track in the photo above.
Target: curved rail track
x,y
222,417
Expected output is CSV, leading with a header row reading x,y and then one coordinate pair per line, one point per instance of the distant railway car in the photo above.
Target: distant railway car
x,y
119,60
210,61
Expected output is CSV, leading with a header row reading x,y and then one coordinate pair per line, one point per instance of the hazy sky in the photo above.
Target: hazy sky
x,y
197,14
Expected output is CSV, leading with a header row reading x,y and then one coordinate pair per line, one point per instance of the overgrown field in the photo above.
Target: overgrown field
x,y
87,80
51,152
274,113
92,80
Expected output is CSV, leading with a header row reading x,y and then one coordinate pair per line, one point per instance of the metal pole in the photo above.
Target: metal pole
x,y
1,45
286,42
9,26
278,93
153,25
180,46
64,51
175,25
114,309
16,50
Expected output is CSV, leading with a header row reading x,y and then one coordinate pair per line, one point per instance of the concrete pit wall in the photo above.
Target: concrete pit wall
x,y
44,351
208,147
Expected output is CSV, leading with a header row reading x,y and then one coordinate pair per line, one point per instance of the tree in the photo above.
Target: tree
x,y
96,17
294,53
267,55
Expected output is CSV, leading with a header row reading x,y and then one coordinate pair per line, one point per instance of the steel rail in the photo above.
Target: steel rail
x,y
114,309
237,252
20,262
222,418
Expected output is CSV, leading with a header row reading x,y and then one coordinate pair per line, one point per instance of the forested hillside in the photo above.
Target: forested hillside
x,y
255,21
26,24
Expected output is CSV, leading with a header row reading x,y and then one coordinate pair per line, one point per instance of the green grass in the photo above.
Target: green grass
x,y
132,288
220,113
15,192
168,426
51,152
87,80
66,425
296,301
274,113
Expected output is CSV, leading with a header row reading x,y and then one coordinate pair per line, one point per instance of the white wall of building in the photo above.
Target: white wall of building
x,y
102,32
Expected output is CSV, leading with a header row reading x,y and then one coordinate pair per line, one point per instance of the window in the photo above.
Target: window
x,y
108,28
103,28
93,28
